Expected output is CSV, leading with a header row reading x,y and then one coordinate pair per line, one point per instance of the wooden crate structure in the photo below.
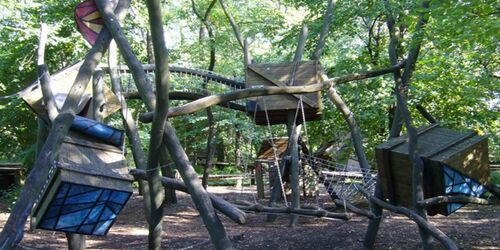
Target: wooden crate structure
x,y
88,187
60,83
454,163
281,75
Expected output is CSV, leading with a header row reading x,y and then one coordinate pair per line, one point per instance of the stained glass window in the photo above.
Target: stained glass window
x,y
83,209
457,183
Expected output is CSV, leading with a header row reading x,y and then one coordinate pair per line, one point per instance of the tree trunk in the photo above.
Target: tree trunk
x,y
210,149
293,137
130,127
167,170
162,75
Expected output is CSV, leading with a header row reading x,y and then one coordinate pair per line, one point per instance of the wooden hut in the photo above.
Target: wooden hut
x,y
87,188
60,84
454,163
281,75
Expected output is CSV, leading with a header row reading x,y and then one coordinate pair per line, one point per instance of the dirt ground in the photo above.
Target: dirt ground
x,y
472,227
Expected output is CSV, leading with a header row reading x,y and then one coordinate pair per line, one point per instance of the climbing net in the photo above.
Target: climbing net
x,y
340,180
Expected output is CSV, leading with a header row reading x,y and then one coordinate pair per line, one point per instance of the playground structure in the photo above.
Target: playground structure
x,y
302,104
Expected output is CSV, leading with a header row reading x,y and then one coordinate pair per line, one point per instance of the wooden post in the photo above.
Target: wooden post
x,y
259,180
98,101
162,77
294,133
167,170
293,137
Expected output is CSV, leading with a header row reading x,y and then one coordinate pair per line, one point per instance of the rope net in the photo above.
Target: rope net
x,y
340,180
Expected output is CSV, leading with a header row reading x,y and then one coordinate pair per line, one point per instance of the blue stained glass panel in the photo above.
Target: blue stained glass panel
x,y
53,211
86,229
62,190
72,219
108,214
119,197
94,215
72,208
114,207
457,183
49,223
105,195
84,198
83,209
102,227
74,190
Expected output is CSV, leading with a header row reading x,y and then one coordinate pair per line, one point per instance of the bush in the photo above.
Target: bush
x,y
495,177
9,196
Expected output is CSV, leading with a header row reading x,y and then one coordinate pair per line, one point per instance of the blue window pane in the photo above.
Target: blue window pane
x,y
58,201
105,195
102,227
83,209
114,207
62,190
94,215
108,214
71,229
48,223
86,229
72,208
79,189
119,197
52,211
72,219
84,198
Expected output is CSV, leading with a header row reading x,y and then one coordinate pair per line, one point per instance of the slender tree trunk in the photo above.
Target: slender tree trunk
x,y
210,149
167,170
98,102
130,128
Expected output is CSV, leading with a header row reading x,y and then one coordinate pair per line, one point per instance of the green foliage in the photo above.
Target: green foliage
x,y
495,177
9,196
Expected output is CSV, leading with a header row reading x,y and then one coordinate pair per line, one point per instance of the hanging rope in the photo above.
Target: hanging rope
x,y
273,146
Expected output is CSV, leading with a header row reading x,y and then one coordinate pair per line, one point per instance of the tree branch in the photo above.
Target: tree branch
x,y
318,51
421,222
452,199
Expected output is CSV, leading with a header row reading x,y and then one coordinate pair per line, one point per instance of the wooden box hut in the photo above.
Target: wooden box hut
x,y
60,84
454,163
87,189
281,75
